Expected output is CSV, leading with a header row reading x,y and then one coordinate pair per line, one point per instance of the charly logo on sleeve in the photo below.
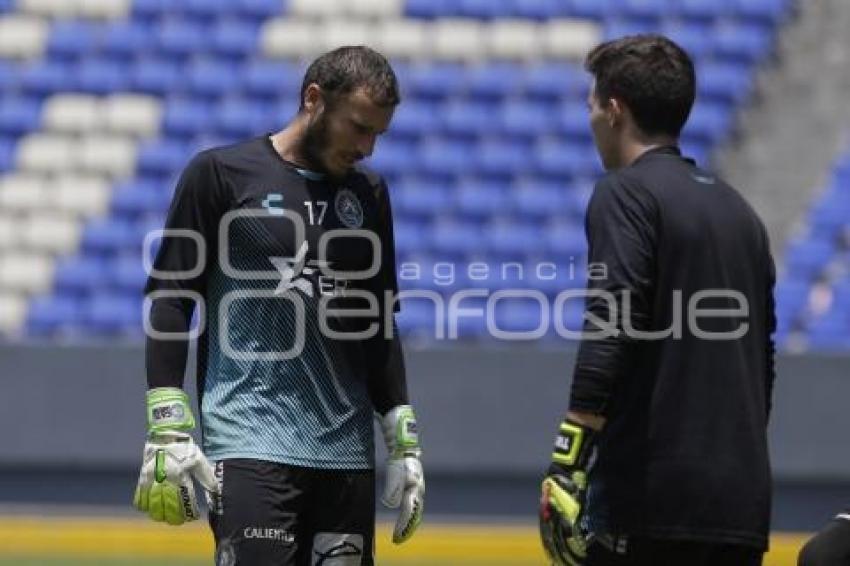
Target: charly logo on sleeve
x,y
348,208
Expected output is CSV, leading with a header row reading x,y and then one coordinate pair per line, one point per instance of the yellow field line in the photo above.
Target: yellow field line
x,y
116,538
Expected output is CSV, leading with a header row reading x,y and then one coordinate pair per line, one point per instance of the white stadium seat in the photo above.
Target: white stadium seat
x,y
21,192
104,9
569,39
82,195
72,113
378,9
336,33
457,39
26,272
114,156
9,230
133,114
51,232
50,8
46,153
283,38
22,37
513,39
316,8
13,311
406,39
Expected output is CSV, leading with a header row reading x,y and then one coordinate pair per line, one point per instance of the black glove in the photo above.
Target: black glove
x,y
563,495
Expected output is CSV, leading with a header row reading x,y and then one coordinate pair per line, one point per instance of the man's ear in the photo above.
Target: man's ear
x,y
313,99
615,112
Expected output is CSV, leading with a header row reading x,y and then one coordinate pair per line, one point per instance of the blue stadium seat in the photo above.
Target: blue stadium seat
x,y
765,12
430,9
571,315
393,158
272,79
156,76
417,317
539,9
149,10
408,235
70,39
241,118
830,332
444,158
126,38
791,296
647,10
493,80
539,200
181,38
113,313
479,200
746,43
7,154
695,38
186,117
435,80
831,213
161,157
211,79
235,38
453,238
259,10
563,160
807,257
565,241
127,274
554,81
710,122
206,10
513,239
725,82
101,76
50,314
414,119
467,119
503,159
78,275
109,236
133,199
615,29
483,9
525,119
521,319
19,115
419,199
46,77
702,10
593,9
573,120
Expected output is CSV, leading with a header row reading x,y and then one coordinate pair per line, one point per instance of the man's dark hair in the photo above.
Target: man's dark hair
x,y
345,69
653,76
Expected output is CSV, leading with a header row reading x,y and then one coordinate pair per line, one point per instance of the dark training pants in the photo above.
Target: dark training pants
x,y
657,552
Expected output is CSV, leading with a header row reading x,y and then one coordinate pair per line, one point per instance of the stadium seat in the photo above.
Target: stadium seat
x,y
765,12
113,314
442,158
48,315
79,275
135,115
72,113
431,9
26,272
697,39
520,319
161,157
51,232
259,10
82,195
19,115
745,43
414,119
107,154
101,76
284,38
502,159
126,38
393,158
241,118
592,9
478,200
22,192
491,81
127,274
450,238
401,39
7,154
527,120
428,81
538,200
725,82
512,239
70,40
807,257
417,199
553,81
45,77
565,241
272,79
156,76
514,40
467,119
22,36
540,9
645,10
180,38
109,236
134,199
204,78
457,40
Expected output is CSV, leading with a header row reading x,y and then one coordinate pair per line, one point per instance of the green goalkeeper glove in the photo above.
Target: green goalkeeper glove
x,y
563,495
171,459
405,482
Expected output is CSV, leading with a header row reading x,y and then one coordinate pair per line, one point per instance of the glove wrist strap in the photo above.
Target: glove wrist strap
x,y
401,432
573,445
168,409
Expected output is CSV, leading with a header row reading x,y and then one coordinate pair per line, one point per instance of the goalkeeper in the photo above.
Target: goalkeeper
x,y
662,458
285,245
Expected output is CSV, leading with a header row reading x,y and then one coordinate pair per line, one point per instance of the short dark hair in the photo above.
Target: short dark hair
x,y
345,69
652,75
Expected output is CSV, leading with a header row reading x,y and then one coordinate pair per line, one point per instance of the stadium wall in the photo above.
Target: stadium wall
x,y
482,411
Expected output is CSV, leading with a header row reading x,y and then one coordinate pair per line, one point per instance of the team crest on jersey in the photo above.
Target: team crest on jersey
x,y
348,209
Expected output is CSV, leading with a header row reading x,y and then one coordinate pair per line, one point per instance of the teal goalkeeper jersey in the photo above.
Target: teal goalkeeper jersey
x,y
285,262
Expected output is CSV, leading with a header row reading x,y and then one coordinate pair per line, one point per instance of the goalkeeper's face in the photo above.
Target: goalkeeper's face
x,y
343,130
